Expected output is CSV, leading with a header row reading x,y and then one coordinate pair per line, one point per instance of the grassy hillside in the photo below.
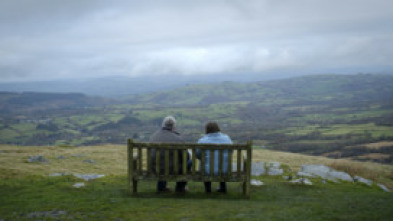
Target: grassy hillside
x,y
331,115
28,192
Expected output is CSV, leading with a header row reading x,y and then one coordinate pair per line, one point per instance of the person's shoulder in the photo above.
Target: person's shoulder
x,y
225,137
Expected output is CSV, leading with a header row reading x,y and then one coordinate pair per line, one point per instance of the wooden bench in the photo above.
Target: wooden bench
x,y
140,165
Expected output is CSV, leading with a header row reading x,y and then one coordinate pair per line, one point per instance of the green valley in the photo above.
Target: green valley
x,y
331,115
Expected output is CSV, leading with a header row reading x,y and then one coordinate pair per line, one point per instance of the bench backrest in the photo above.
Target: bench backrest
x,y
140,163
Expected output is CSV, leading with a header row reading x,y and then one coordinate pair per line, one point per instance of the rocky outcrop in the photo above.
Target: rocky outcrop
x,y
362,180
324,172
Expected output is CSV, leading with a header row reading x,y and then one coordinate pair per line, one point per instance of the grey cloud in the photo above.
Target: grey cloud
x,y
50,38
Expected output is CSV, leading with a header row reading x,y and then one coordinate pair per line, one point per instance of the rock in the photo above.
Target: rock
x,y
89,161
79,185
324,172
362,180
258,168
59,174
37,159
287,177
340,176
274,169
88,177
302,174
383,187
304,181
61,157
255,182
274,164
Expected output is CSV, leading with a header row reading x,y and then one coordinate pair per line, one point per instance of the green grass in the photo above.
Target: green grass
x,y
107,199
26,189
6,134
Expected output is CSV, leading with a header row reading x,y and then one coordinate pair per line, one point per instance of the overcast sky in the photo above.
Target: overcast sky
x,y
48,39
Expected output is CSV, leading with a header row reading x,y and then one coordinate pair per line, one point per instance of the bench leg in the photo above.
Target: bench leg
x,y
134,186
246,189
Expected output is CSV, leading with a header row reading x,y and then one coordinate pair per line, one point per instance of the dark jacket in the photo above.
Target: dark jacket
x,y
165,135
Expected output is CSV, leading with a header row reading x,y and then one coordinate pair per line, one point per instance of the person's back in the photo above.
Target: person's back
x,y
164,135
214,136
167,134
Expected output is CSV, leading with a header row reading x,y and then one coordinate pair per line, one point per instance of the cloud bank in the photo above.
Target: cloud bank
x,y
47,39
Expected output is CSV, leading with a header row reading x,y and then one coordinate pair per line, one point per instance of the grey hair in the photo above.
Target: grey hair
x,y
169,122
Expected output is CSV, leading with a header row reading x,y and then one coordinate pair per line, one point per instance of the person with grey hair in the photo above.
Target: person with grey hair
x,y
168,134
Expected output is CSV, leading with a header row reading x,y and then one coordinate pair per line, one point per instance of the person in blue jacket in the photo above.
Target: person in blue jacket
x,y
214,136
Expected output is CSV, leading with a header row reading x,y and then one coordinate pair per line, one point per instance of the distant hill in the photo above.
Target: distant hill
x,y
306,89
331,115
35,101
119,86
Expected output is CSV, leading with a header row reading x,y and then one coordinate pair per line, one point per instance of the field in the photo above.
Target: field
x,y
331,115
27,192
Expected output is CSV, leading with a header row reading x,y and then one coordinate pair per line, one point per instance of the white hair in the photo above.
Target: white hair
x,y
169,122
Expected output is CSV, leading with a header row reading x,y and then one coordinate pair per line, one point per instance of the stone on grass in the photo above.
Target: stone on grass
x,y
79,185
59,174
383,187
258,168
324,172
61,157
304,181
88,177
362,180
37,159
274,169
255,182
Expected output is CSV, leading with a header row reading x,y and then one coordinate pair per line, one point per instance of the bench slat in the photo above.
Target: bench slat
x,y
229,162
212,156
184,168
139,160
220,162
166,162
193,161
239,160
148,161
203,169
158,169
176,162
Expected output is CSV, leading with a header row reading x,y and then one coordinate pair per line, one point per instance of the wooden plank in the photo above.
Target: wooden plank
x,y
148,161
139,160
176,162
212,156
239,161
203,152
229,163
185,162
220,162
166,162
248,170
193,161
189,146
158,153
134,180
130,165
